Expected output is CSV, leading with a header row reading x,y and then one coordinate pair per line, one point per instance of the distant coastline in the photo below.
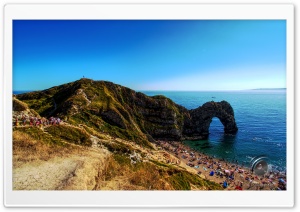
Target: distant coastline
x,y
146,91
20,92
269,89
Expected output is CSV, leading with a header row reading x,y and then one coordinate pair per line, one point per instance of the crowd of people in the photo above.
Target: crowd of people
x,y
25,120
231,176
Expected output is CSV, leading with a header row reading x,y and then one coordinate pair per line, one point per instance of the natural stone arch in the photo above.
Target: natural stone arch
x,y
224,112
202,117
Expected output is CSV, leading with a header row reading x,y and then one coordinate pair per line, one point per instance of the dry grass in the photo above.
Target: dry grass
x,y
27,149
119,174
149,178
19,105
95,171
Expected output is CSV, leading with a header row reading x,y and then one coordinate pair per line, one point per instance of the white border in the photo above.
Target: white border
x,y
147,198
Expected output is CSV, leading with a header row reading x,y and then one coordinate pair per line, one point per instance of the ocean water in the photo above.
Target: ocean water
x,y
260,116
20,92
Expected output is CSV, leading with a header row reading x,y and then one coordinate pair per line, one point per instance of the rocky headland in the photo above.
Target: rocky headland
x,y
125,113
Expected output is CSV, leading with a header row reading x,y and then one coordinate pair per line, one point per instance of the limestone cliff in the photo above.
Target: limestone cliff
x,y
197,126
122,112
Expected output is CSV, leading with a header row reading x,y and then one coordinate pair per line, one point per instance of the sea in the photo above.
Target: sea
x,y
261,119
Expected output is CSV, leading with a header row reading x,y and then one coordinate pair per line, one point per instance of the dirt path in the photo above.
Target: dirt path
x,y
68,173
47,175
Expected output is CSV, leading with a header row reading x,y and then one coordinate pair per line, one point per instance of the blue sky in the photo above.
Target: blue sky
x,y
151,55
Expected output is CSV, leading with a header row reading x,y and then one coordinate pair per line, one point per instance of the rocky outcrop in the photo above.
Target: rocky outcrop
x,y
197,126
122,112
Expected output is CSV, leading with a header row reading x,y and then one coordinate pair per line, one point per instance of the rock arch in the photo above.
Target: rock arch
x,y
202,117
224,112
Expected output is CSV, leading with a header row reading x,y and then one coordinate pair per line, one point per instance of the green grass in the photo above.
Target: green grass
x,y
183,181
179,182
122,160
94,132
161,164
117,147
98,124
39,135
70,134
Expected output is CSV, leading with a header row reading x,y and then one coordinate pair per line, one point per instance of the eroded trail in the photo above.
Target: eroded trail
x,y
71,173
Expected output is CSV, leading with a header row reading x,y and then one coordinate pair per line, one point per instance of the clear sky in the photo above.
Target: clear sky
x,y
151,55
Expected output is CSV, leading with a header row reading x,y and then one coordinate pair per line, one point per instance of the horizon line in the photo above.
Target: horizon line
x,y
141,90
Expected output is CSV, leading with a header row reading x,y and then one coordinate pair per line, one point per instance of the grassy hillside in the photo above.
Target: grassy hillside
x,y
110,108
32,145
106,140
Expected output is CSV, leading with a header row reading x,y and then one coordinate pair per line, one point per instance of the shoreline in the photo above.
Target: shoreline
x,y
236,176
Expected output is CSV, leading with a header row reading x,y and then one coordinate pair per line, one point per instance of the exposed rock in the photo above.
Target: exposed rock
x,y
135,157
113,118
198,125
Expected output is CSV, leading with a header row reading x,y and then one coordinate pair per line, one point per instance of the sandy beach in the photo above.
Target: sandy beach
x,y
237,177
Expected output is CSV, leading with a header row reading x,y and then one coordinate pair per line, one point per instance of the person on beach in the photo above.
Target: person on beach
x,y
225,185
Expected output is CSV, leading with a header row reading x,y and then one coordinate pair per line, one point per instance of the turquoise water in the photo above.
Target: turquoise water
x,y
260,116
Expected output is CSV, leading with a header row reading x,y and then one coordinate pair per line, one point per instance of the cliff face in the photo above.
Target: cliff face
x,y
124,113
